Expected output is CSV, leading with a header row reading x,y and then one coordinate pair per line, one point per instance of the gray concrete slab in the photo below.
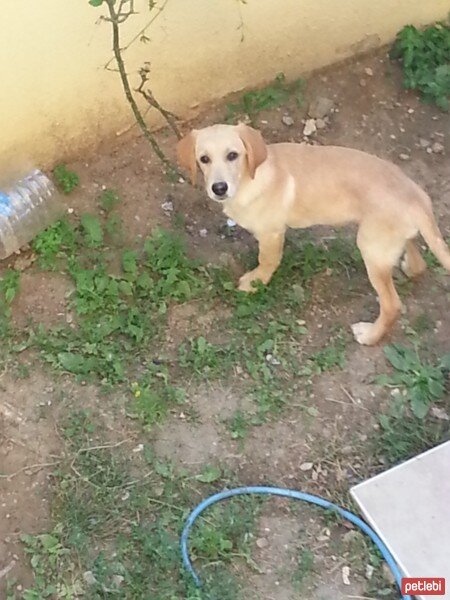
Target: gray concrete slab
x,y
409,507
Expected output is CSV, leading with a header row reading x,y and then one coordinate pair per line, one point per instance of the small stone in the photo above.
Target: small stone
x,y
181,180
203,233
89,578
231,223
310,127
70,211
167,206
404,156
429,151
368,71
287,120
424,143
320,124
346,575
362,82
369,572
410,111
439,413
387,574
438,148
320,107
117,580
262,542
306,466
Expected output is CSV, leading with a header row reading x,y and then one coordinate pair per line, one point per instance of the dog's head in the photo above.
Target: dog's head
x,y
225,154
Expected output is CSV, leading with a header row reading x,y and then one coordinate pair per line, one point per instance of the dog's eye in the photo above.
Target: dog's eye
x,y
204,159
232,155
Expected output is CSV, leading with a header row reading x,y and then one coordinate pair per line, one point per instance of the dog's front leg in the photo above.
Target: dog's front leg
x,y
270,253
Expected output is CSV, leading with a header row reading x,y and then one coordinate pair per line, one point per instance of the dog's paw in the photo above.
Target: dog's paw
x,y
246,282
365,333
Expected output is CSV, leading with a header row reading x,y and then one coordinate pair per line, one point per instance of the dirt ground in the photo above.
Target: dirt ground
x,y
371,112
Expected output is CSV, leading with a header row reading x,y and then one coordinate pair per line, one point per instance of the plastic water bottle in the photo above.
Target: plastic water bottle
x,y
26,209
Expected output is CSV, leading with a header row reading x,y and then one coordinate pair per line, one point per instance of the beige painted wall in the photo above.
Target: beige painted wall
x,y
57,98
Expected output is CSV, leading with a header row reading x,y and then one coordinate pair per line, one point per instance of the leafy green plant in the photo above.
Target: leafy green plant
x,y
304,567
154,396
108,200
425,57
93,231
329,357
422,382
9,286
57,239
403,435
203,357
66,179
271,96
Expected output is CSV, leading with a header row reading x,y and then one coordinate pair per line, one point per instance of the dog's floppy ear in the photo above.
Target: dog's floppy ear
x,y
255,146
186,154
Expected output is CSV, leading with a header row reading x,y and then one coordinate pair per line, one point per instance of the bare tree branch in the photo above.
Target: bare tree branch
x,y
115,22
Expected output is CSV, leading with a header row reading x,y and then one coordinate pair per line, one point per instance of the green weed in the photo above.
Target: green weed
x,y
425,57
276,94
56,241
329,357
423,383
204,359
303,569
119,517
108,200
66,179
9,286
402,435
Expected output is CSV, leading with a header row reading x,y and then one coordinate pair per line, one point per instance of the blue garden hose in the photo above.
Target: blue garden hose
x,y
273,491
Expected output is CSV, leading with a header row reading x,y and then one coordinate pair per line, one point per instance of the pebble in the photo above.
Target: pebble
x,y
306,466
320,107
231,223
362,82
404,156
346,575
424,143
437,148
262,542
369,572
203,233
287,120
167,206
410,111
368,71
89,578
320,124
310,127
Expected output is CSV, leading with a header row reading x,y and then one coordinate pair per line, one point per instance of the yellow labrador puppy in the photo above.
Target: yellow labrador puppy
x,y
268,188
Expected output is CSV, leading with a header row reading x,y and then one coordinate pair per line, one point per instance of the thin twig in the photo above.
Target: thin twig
x,y
141,32
7,569
38,466
103,447
170,118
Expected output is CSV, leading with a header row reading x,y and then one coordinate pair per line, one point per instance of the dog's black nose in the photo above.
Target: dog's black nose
x,y
220,188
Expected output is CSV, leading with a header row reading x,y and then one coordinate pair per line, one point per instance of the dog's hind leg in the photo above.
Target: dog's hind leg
x,y
381,248
413,263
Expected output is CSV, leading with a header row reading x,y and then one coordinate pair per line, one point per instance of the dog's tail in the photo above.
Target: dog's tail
x,y
430,232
